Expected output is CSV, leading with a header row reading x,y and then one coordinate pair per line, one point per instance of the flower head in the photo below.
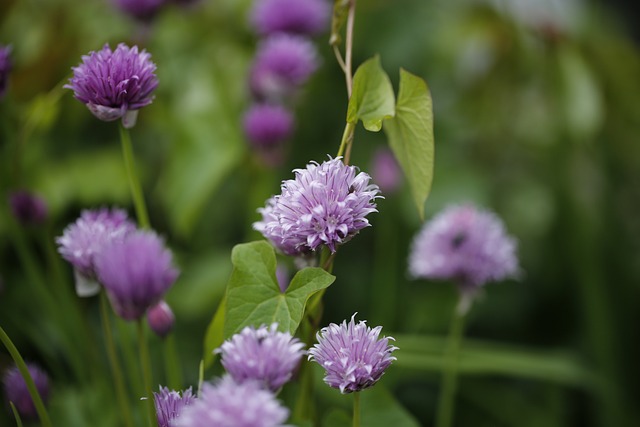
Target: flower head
x,y
267,125
263,355
16,389
161,319
28,208
352,355
464,244
85,238
305,17
142,10
115,84
5,68
282,64
170,403
229,404
325,204
136,272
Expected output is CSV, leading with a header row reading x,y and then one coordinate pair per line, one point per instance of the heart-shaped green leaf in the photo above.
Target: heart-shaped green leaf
x,y
372,99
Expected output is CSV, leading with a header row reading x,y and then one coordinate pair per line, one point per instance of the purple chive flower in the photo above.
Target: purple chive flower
x,y
16,391
325,204
304,17
85,238
28,208
115,84
465,244
386,171
136,272
229,404
263,355
5,68
352,355
267,125
142,10
170,403
282,64
161,319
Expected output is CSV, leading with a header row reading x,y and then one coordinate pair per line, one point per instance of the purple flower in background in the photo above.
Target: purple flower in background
x,y
282,276
136,272
85,238
114,85
267,125
170,403
5,68
263,355
282,64
464,244
28,208
304,17
161,319
142,10
16,391
352,355
386,171
325,204
229,404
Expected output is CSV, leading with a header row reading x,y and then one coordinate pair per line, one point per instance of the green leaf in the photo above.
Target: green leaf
x,y
410,135
253,294
484,358
372,99
381,409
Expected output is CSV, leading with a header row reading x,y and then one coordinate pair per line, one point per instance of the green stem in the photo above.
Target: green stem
x,y
172,363
16,415
347,139
121,392
24,371
134,182
145,364
356,409
446,404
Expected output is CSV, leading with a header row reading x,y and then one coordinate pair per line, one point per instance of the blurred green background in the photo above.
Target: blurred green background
x,y
536,117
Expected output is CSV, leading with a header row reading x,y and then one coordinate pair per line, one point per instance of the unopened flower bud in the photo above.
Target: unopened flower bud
x,y
161,319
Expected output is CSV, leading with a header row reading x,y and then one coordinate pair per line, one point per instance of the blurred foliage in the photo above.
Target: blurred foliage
x,y
536,117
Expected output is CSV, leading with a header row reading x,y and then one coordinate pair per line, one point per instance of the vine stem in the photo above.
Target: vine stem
x,y
356,409
446,404
145,364
121,392
24,371
349,47
134,182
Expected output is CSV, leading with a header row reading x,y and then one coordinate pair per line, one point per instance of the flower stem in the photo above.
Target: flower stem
x,y
16,415
347,139
444,417
172,363
121,392
24,371
145,363
349,47
356,409
134,182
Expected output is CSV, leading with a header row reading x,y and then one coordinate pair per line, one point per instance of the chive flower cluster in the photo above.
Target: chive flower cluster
x,y
145,11
28,208
325,204
106,249
115,84
285,59
465,244
16,391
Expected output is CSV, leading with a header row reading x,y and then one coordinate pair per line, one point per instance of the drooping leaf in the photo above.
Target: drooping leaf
x,y
254,297
372,99
410,135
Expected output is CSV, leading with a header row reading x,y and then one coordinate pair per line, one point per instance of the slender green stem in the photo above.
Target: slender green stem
x,y
24,371
16,415
347,139
172,363
134,182
145,364
121,392
128,351
356,409
446,404
349,46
